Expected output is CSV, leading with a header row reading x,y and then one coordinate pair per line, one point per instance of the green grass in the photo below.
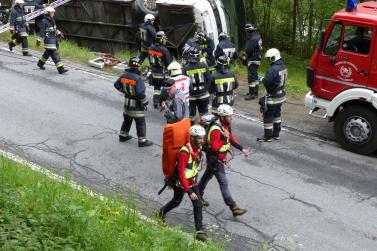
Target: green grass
x,y
37,213
296,85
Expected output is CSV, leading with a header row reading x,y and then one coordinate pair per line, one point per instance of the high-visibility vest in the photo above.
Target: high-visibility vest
x,y
226,147
192,167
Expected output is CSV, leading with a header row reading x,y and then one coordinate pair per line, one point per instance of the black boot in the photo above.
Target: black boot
x,y
145,143
11,45
124,138
26,54
41,65
61,70
249,96
201,236
264,139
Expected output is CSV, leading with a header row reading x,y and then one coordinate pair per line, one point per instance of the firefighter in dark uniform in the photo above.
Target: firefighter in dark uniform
x,y
159,59
19,28
271,103
148,35
222,84
226,47
190,43
132,85
50,35
3,15
199,84
207,46
253,59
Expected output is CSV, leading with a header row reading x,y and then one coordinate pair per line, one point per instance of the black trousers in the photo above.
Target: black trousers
x,y
54,56
141,126
176,201
16,40
200,104
252,78
272,121
157,85
143,55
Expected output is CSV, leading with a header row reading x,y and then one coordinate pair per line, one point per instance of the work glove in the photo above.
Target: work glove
x,y
38,43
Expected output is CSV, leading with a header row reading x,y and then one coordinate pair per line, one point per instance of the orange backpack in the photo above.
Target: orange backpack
x,y
175,136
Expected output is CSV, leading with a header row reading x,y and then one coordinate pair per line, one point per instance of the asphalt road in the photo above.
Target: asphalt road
x,y
301,192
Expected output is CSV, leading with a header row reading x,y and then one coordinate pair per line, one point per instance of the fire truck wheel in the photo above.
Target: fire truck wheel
x,y
355,129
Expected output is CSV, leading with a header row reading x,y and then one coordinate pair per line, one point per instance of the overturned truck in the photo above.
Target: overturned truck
x,y
112,25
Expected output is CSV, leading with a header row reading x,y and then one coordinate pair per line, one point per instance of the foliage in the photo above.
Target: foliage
x,y
291,25
37,213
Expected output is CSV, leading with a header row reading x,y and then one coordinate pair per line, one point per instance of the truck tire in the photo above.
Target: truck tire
x,y
146,7
355,129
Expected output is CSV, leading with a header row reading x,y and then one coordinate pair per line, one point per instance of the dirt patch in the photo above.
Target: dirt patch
x,y
294,113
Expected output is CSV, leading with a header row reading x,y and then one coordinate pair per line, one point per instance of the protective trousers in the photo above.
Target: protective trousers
x,y
200,104
252,78
54,56
272,121
216,168
157,85
176,201
16,40
141,127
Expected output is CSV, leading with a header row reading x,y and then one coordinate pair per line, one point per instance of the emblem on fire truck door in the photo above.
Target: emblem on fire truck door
x,y
345,70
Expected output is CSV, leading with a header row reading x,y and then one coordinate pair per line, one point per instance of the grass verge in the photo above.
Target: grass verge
x,y
296,85
38,213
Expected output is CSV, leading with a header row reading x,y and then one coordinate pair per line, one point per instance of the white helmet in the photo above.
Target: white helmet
x,y
19,2
197,130
224,110
175,69
149,17
49,9
273,54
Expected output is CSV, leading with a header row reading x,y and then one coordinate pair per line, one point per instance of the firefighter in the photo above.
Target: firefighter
x,y
220,140
148,35
222,84
189,162
253,59
199,84
3,14
19,28
173,104
274,83
159,59
29,7
207,46
190,43
50,35
226,47
132,85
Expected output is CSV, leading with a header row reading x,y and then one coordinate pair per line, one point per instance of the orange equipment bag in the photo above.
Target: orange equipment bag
x,y
175,136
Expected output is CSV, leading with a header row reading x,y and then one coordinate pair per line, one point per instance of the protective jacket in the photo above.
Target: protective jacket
x,y
274,82
207,47
18,22
189,158
227,48
148,35
49,33
132,85
219,146
253,48
159,58
199,77
222,86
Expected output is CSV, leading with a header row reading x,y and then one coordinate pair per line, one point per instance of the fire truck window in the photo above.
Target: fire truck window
x,y
357,39
333,43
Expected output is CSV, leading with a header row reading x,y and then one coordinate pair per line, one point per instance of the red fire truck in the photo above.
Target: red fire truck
x,y
343,77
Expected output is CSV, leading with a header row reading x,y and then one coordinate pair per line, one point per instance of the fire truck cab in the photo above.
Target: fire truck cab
x,y
343,77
